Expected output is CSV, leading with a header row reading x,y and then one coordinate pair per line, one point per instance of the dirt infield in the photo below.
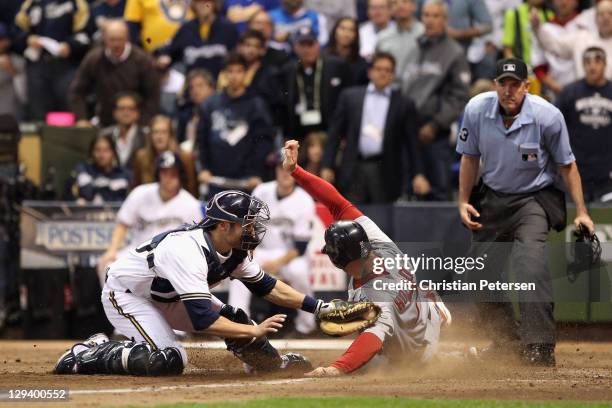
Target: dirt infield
x,y
584,372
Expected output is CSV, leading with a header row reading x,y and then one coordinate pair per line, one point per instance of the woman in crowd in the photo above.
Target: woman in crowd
x,y
101,178
312,154
344,43
161,138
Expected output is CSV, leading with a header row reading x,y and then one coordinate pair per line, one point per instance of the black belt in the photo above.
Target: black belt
x,y
370,159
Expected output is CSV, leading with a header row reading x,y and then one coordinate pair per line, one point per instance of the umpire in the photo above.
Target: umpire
x,y
521,145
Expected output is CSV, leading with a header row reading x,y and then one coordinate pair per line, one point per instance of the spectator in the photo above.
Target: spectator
x,y
54,39
379,124
485,50
587,19
282,250
379,18
437,79
572,45
200,87
235,133
127,135
240,12
12,78
518,41
260,80
172,82
151,209
292,17
344,43
101,11
161,139
262,22
586,105
312,153
116,67
100,179
309,107
333,10
202,42
153,23
552,71
468,19
400,39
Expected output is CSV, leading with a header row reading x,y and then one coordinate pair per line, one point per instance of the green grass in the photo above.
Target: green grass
x,y
370,402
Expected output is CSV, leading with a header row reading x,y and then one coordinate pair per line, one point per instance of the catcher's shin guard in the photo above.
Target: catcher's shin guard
x,y
258,353
125,357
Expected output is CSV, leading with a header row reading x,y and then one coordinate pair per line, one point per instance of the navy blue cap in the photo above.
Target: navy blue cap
x,y
304,34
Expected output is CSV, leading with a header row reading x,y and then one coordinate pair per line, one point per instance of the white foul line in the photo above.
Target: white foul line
x,y
318,344
190,386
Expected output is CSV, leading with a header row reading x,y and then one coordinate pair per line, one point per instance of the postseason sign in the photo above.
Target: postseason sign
x,y
74,235
54,231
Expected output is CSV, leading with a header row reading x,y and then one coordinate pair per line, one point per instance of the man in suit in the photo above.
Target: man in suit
x,y
379,126
311,86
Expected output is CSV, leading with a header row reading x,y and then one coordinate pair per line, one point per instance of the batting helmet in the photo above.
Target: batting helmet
x,y
346,241
169,160
240,208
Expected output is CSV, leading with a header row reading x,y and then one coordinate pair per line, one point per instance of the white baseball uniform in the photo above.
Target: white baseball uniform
x,y
146,215
290,226
165,283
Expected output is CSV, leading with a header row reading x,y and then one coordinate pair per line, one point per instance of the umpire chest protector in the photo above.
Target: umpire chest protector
x,y
217,271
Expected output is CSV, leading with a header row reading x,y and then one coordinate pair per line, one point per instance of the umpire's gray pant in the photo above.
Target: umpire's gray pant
x,y
521,220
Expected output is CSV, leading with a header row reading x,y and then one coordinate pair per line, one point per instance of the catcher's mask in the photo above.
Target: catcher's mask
x,y
240,208
346,241
586,253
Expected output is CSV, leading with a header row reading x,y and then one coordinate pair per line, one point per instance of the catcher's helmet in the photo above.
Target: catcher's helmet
x,y
169,160
240,208
346,241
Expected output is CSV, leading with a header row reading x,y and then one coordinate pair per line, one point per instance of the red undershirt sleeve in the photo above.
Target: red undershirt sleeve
x,y
326,194
365,346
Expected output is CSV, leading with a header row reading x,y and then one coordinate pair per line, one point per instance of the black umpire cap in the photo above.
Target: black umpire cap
x,y
511,67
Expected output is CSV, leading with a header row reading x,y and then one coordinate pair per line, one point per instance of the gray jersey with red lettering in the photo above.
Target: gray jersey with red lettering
x,y
409,322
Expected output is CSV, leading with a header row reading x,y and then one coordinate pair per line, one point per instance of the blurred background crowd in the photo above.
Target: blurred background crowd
x,y
373,89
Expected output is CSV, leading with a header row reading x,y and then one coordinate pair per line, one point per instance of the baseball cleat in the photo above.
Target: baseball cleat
x,y
96,339
295,361
539,354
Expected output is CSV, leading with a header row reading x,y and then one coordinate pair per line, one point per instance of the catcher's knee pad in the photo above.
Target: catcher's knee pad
x,y
142,359
258,353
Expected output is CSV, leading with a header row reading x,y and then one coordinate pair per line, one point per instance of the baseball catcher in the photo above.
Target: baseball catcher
x,y
164,284
404,322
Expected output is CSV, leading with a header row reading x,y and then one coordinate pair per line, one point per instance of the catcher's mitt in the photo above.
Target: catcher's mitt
x,y
340,318
586,252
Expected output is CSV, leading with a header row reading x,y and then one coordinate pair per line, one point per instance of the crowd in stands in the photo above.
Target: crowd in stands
x,y
373,89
